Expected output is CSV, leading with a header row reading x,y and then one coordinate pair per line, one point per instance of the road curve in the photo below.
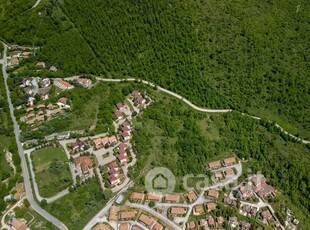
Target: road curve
x,y
205,110
24,167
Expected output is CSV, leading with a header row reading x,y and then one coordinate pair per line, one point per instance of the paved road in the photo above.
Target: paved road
x,y
24,167
105,209
36,4
205,110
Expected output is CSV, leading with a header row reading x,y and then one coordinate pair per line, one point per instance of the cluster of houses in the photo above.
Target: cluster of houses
x,y
130,215
18,53
138,98
65,85
258,185
122,153
224,163
106,141
33,86
114,172
83,165
43,112
119,113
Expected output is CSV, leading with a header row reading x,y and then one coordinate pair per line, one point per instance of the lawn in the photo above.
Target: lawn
x,y
78,207
51,163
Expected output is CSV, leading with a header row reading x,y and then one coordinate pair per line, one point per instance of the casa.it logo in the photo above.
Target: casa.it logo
x,y
160,180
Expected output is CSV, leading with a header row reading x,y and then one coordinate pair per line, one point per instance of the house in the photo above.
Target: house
x,y
229,161
41,65
211,221
97,143
198,210
112,140
26,82
126,136
122,146
30,123
84,163
112,213
102,226
177,211
30,109
244,225
125,124
229,172
248,210
113,165
17,224
121,107
230,202
220,220
64,85
118,115
211,206
261,187
171,198
245,191
124,226
153,197
138,97
26,54
28,90
114,171
75,146
127,215
158,226
40,118
30,116
191,225
213,193
53,68
64,135
84,82
45,82
13,62
233,221
202,222
114,180
266,215
63,103
122,159
146,220
55,112
30,101
122,152
44,93
214,165
218,175
41,106
137,196
191,196
135,227
50,106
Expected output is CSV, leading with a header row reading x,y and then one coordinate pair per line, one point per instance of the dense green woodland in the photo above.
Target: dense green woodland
x,y
170,134
7,143
247,55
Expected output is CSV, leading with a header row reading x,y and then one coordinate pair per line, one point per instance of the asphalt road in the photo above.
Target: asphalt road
x,y
25,172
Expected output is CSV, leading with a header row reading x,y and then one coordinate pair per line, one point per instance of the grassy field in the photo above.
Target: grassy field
x,y
51,170
78,207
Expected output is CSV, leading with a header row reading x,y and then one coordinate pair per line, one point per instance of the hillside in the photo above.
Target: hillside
x,y
251,56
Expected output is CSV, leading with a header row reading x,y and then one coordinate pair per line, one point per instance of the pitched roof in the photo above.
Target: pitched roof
x,y
101,226
230,160
137,196
112,213
229,172
213,193
215,164
146,220
63,100
158,226
18,224
153,196
84,162
211,206
124,226
172,198
128,215
191,196
177,211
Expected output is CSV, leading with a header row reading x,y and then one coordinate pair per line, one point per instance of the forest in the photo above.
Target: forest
x,y
247,55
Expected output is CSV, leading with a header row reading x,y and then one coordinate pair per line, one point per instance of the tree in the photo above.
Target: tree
x,y
151,204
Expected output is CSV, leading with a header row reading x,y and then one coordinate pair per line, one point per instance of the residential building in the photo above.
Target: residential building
x,y
245,191
220,220
198,210
211,206
114,180
218,175
84,82
123,159
213,193
172,198
191,196
127,215
177,211
17,224
229,161
214,165
84,163
146,220
63,84
112,213
191,225
158,226
153,197
124,226
211,221
102,226
229,172
118,115
137,196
